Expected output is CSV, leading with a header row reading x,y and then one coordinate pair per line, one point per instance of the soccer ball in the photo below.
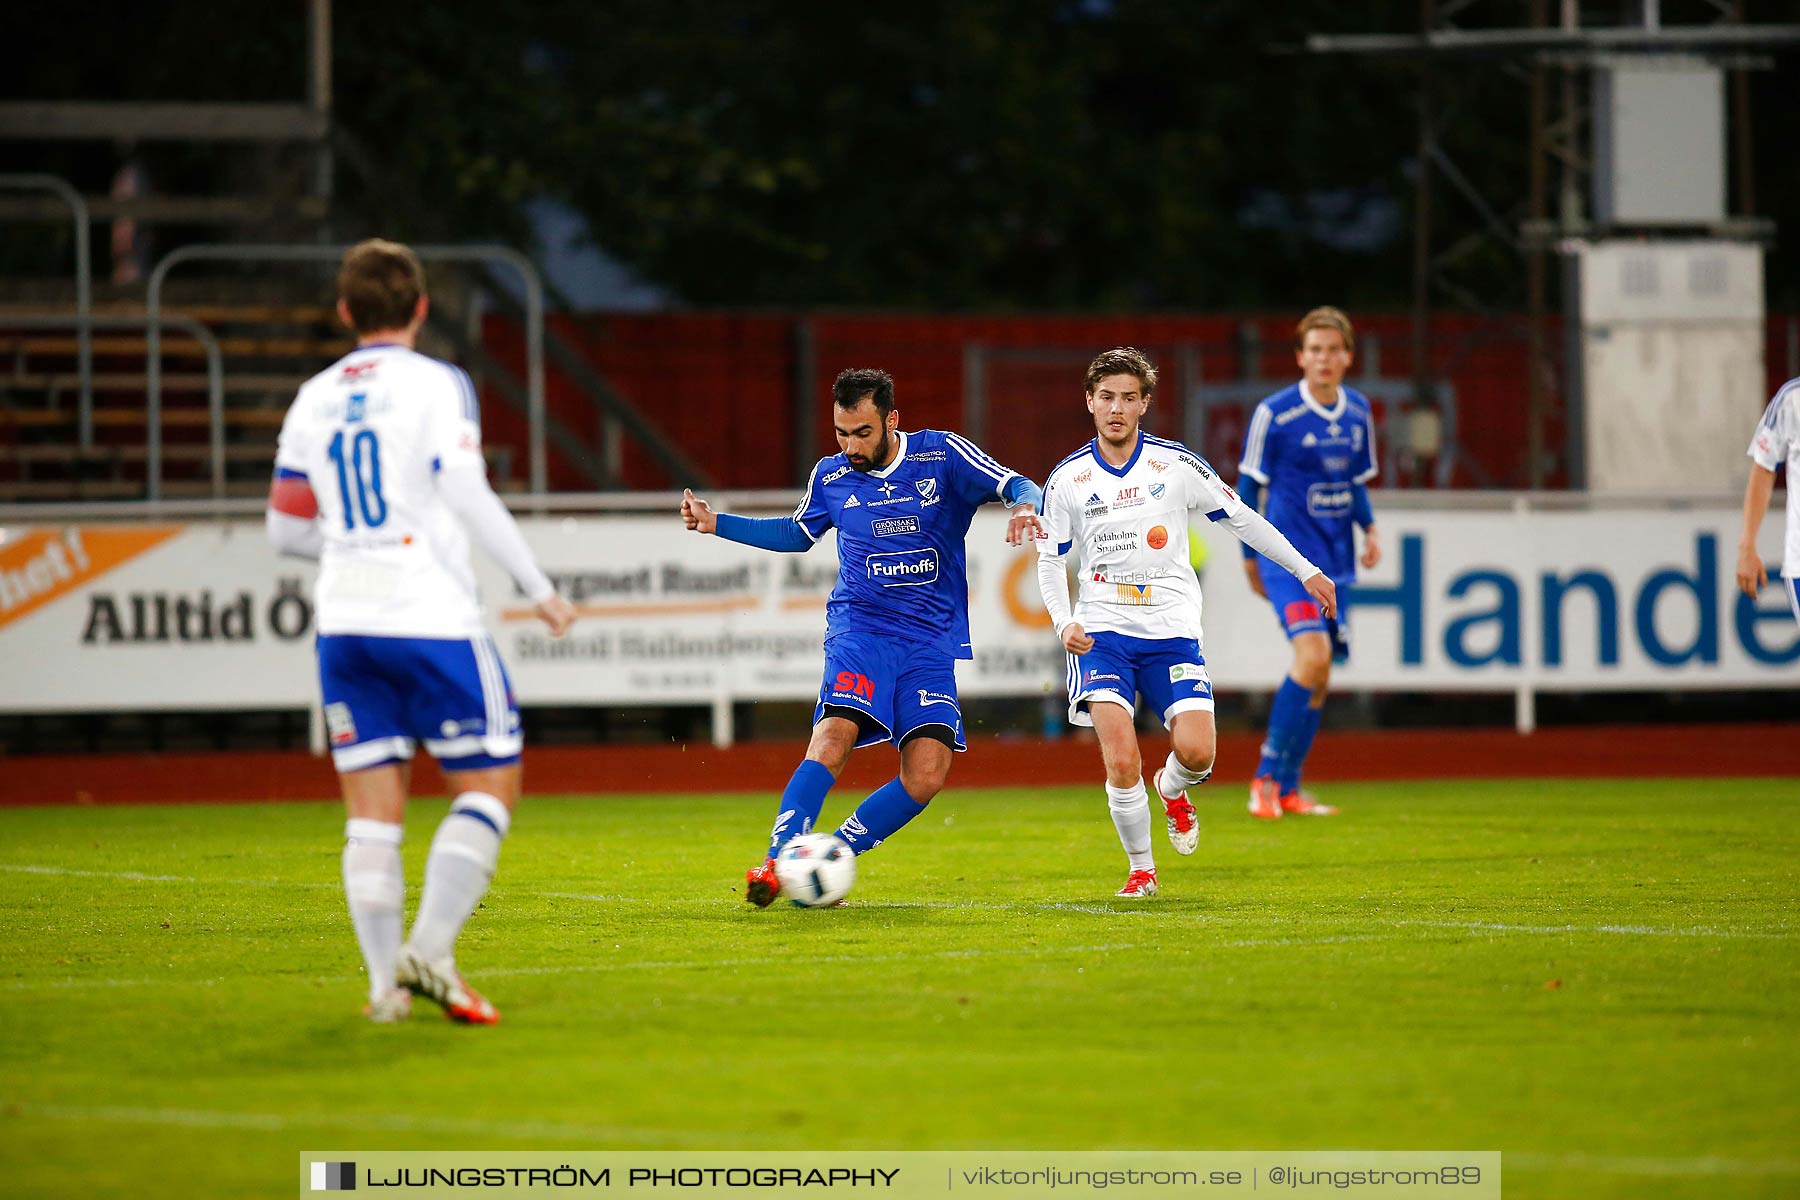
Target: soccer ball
x,y
816,869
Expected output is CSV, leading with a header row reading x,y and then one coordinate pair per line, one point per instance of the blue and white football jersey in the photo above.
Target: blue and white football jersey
x,y
373,434
901,565
1307,456
1777,441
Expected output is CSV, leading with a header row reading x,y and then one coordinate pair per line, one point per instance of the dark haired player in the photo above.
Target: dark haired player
x,y
898,618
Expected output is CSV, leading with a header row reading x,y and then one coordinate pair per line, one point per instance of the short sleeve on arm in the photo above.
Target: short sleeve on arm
x,y
811,513
1257,457
1206,491
455,416
1367,466
978,476
292,446
1057,519
1777,431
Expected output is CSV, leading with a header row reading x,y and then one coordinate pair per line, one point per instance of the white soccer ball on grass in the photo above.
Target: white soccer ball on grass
x,y
816,869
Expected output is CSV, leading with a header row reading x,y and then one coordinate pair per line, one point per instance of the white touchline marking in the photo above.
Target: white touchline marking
x,y
277,1122
1619,1164
1140,912
1629,930
140,877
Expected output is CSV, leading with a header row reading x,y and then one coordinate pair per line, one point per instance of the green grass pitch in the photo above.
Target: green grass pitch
x,y
1598,979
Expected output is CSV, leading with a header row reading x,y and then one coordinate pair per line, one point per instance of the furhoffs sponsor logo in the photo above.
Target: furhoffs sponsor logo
x,y
906,568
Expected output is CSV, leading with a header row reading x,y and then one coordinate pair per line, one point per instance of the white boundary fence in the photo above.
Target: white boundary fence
x,y
178,605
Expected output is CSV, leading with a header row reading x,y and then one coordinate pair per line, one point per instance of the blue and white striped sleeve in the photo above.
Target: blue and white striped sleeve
x,y
978,475
812,514
456,424
1257,460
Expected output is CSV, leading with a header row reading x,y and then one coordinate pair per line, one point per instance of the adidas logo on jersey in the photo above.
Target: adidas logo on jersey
x,y
852,502
1094,499
1309,440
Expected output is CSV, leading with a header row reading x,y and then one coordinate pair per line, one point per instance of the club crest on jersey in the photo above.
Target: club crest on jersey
x,y
927,487
1156,491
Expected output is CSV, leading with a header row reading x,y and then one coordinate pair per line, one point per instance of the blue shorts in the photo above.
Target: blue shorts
x,y
1298,612
384,695
896,688
1170,672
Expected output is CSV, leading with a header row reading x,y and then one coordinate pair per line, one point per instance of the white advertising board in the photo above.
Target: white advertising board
x,y
206,616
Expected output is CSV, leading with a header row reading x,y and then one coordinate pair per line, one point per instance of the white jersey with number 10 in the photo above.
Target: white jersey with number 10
x,y
376,435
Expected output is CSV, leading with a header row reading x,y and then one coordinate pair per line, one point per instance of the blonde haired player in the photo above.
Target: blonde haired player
x,y
1121,504
377,474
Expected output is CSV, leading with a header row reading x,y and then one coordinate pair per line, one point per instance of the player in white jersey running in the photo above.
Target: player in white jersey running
x,y
1121,503
1777,441
377,472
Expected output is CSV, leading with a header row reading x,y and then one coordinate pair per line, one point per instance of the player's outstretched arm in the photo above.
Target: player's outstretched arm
x,y
1255,531
785,534
1752,575
464,487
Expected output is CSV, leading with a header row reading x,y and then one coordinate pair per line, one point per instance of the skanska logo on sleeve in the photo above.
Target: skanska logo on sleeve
x,y
904,568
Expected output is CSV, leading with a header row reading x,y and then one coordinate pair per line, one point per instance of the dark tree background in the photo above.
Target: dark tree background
x,y
951,154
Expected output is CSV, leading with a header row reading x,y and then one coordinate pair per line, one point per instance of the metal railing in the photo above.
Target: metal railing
x,y
215,376
218,252
84,286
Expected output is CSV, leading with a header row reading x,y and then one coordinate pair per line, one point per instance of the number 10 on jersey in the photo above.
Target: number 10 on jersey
x,y
362,463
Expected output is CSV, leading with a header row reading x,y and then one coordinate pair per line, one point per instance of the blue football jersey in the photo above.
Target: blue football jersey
x,y
1306,456
901,565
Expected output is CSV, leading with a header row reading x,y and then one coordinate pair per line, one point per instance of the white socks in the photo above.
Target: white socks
x,y
463,856
1178,777
377,893
1131,817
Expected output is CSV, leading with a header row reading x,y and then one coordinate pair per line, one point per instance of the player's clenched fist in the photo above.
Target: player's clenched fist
x,y
696,514
1075,639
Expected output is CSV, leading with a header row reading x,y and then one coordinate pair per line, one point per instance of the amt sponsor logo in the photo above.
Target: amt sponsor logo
x,y
906,568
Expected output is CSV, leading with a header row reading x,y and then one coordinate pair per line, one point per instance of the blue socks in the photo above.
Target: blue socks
x,y
800,803
879,817
1295,759
1286,716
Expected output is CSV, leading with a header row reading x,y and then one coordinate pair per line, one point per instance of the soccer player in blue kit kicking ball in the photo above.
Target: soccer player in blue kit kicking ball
x,y
1312,447
898,618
